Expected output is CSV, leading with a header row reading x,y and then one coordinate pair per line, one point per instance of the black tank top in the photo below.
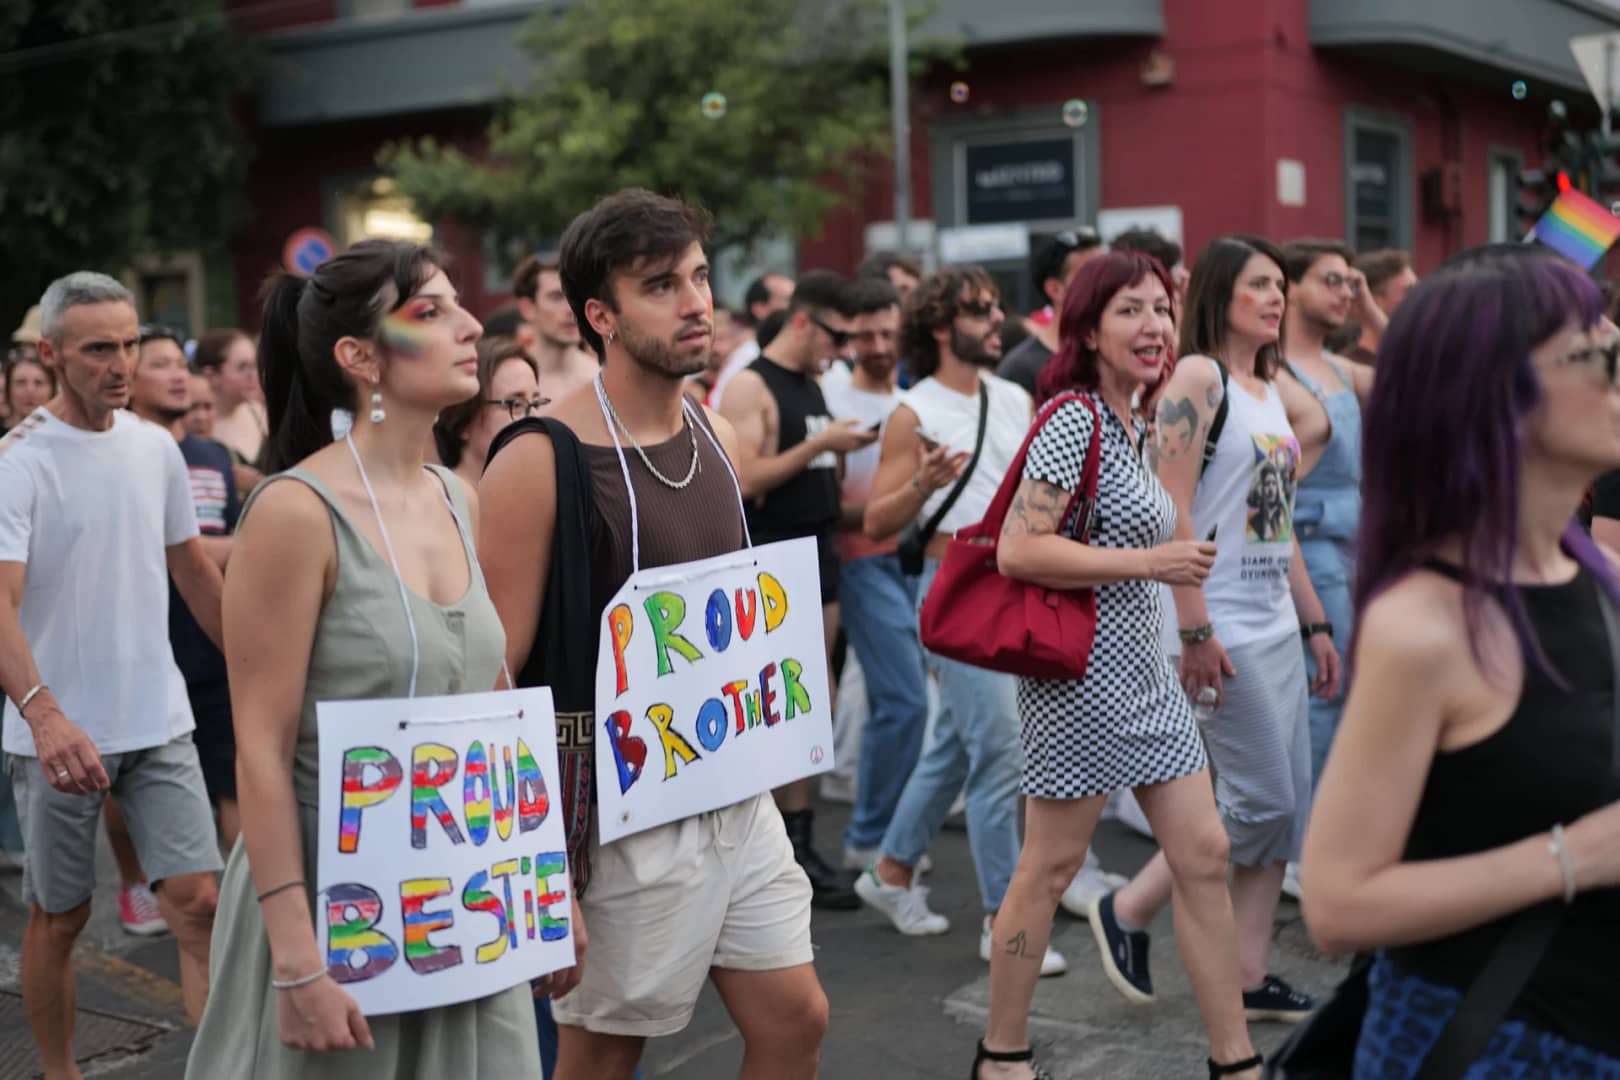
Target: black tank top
x,y
1552,763
808,503
698,521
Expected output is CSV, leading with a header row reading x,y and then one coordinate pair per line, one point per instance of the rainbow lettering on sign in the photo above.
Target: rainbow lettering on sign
x,y
354,951
424,956
475,795
358,793
432,766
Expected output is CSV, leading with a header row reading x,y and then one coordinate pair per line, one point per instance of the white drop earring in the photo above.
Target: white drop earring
x,y
377,413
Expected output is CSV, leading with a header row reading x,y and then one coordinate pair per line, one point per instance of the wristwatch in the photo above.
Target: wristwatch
x,y
1311,629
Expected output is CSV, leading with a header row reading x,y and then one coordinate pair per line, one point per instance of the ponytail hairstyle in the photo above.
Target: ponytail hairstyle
x,y
304,318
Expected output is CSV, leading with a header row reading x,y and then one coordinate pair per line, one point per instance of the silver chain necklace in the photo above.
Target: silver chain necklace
x,y
642,454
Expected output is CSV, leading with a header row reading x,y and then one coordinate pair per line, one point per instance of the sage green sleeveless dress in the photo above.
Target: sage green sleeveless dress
x,y
362,650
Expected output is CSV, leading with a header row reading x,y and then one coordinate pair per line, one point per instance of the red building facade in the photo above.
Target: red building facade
x,y
1386,122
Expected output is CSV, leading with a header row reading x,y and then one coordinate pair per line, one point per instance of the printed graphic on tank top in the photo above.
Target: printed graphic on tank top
x,y
1246,497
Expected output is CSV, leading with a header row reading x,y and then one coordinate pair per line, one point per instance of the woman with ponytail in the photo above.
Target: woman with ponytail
x,y
1469,816
353,577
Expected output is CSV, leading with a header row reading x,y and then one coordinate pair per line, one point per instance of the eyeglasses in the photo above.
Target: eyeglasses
x,y
1603,357
977,309
840,338
519,408
1339,281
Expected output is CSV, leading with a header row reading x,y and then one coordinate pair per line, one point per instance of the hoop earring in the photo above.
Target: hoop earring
x,y
377,413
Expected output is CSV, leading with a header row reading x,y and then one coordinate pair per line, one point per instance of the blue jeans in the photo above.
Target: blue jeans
x,y
878,605
1330,566
548,1038
975,741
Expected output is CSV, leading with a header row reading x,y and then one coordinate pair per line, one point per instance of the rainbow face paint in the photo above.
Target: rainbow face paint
x,y
405,332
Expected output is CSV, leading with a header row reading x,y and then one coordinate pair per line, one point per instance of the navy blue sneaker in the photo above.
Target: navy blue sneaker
x,y
1275,1000
1124,953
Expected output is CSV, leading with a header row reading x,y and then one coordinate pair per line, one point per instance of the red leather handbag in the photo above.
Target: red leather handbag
x,y
975,614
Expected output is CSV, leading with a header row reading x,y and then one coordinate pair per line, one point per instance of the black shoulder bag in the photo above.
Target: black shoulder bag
x,y
1324,1047
1216,425
914,538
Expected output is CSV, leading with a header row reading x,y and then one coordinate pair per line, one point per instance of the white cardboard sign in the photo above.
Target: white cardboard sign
x,y
711,686
441,861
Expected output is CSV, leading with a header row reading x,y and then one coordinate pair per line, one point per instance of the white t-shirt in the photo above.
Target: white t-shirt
x,y
740,357
845,402
91,514
953,420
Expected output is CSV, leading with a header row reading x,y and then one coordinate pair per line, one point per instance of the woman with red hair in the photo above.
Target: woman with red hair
x,y
1128,724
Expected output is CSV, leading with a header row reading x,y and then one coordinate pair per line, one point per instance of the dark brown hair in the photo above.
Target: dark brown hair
x,y
11,371
1300,255
453,422
1206,320
212,347
304,318
1383,266
620,230
526,278
933,305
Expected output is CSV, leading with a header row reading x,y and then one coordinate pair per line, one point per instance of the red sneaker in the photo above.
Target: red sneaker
x,y
138,910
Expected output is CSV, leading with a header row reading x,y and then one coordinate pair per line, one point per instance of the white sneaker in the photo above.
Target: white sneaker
x,y
1051,964
907,909
1291,886
860,858
1089,884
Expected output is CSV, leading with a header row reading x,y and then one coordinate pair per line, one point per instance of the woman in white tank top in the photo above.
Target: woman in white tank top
x,y
1240,658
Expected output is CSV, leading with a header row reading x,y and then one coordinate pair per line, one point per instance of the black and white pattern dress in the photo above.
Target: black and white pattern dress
x,y
1128,722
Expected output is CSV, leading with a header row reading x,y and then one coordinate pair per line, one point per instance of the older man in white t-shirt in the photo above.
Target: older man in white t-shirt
x,y
95,514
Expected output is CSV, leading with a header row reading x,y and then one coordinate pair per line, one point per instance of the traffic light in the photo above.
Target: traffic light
x,y
1603,166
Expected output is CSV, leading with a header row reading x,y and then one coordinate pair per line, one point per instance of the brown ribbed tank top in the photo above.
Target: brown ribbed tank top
x,y
701,520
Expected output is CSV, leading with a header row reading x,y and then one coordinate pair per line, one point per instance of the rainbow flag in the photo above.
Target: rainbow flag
x,y
1577,227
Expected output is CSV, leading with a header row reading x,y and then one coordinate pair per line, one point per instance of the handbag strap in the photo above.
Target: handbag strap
x,y
1510,965
932,525
996,515
1217,425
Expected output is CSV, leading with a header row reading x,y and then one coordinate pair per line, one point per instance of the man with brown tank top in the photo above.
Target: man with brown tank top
x,y
716,897
789,464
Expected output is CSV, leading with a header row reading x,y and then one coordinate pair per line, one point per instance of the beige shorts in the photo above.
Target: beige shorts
x,y
666,905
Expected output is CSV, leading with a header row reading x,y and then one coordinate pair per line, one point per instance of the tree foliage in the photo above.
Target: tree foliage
x,y
618,99
117,137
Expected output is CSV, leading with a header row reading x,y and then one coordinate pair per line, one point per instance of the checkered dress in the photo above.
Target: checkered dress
x,y
1128,722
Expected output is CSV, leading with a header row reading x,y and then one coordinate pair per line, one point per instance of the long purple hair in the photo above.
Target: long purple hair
x,y
1444,430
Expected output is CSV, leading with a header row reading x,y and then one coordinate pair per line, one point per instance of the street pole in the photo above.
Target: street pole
x,y
900,109
1608,81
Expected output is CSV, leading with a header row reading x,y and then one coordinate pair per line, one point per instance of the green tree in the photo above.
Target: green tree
x,y
117,137
764,112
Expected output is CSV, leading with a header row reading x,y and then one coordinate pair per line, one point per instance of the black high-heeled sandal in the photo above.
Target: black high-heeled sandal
x,y
1007,1056
1216,1071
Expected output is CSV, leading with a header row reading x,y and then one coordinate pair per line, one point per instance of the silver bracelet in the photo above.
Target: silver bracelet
x,y
30,696
1560,851
293,984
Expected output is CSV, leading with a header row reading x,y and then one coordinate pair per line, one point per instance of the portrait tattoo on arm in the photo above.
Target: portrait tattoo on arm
x,y
1036,509
1177,428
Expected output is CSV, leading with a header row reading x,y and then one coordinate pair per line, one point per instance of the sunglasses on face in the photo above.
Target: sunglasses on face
x,y
840,338
519,408
977,309
1073,238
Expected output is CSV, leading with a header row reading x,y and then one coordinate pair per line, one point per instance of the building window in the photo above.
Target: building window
x,y
375,209
1378,181
1502,195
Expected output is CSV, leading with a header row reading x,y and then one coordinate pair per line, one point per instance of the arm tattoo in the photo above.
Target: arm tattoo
x,y
1212,396
1035,510
1177,428
1018,945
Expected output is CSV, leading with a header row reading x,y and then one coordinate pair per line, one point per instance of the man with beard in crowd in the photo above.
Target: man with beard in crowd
x,y
715,897
1323,394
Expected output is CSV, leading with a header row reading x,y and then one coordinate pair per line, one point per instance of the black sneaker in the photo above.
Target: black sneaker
x,y
831,889
1276,1000
1124,953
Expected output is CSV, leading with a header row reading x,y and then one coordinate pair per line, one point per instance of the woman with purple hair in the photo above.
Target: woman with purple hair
x,y
1472,795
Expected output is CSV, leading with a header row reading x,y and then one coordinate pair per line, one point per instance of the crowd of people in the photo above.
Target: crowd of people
x,y
1331,518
